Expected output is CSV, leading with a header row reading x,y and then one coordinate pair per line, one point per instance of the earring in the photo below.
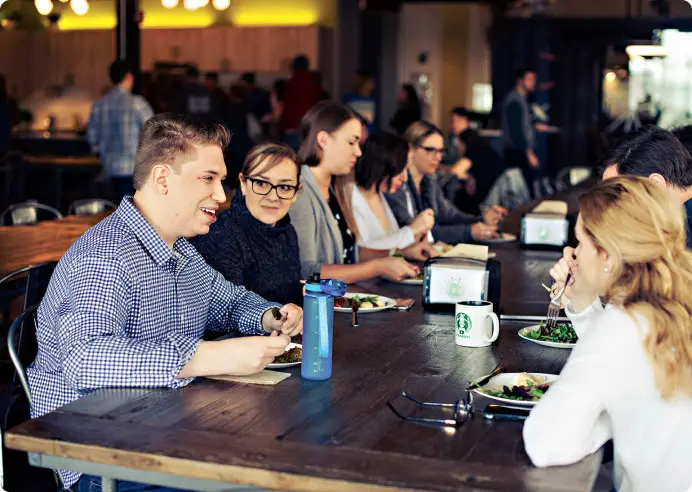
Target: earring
x,y
606,269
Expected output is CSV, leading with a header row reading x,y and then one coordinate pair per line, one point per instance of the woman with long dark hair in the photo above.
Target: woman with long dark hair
x,y
322,215
382,169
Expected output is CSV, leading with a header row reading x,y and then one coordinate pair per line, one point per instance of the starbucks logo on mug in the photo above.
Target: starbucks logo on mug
x,y
463,324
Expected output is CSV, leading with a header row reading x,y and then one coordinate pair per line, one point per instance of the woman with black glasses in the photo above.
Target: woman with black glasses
x,y
422,191
253,243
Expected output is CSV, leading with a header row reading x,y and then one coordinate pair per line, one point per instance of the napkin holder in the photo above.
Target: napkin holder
x,y
544,230
447,281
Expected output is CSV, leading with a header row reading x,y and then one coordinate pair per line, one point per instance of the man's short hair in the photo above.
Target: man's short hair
x,y
192,72
118,70
213,76
653,150
521,72
461,111
684,135
300,64
248,77
167,136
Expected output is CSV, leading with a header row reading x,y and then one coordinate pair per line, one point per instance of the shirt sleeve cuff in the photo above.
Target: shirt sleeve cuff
x,y
270,305
186,348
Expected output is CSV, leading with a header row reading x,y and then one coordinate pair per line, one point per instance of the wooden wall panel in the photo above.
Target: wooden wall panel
x,y
32,61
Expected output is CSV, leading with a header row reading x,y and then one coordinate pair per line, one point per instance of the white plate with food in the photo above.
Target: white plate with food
x,y
367,303
291,358
504,237
563,336
517,388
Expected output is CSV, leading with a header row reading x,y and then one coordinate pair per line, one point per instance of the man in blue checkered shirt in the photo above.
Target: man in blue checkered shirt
x,y
129,302
115,121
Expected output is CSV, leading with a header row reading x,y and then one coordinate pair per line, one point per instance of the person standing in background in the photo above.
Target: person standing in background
x,y
220,101
518,132
6,117
302,93
361,101
256,97
115,121
194,99
409,109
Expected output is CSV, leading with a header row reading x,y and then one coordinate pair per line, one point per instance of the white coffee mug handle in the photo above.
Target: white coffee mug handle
x,y
496,327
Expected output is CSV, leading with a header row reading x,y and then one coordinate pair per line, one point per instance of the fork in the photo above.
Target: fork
x,y
554,308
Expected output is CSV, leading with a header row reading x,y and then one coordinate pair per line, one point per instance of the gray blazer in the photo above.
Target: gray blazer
x,y
319,237
451,224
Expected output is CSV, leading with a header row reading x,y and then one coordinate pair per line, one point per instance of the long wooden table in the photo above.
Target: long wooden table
x,y
25,245
331,435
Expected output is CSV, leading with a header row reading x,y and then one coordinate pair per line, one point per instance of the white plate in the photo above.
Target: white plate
x,y
407,281
286,365
524,331
507,379
388,304
504,238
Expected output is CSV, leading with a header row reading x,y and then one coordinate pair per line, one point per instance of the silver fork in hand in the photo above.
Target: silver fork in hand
x,y
554,308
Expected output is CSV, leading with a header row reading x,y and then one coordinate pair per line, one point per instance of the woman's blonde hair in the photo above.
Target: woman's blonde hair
x,y
643,231
418,131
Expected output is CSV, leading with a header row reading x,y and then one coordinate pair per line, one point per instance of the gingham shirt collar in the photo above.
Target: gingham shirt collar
x,y
150,239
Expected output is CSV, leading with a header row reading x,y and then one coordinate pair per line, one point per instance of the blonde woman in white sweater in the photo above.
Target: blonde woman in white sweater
x,y
629,378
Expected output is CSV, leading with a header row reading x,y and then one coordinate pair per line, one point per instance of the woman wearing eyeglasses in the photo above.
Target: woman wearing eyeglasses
x,y
422,191
322,215
253,243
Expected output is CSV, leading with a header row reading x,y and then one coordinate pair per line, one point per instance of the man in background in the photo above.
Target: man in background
x,y
518,132
662,157
194,98
361,100
302,93
256,98
115,121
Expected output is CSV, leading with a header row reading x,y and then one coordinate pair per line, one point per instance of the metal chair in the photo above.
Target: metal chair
x,y
22,346
26,213
31,282
90,206
15,337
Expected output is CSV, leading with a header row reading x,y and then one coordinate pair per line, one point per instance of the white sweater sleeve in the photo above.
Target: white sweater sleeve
x,y
583,320
570,421
400,239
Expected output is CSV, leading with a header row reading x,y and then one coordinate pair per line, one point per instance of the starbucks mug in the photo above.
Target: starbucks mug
x,y
475,324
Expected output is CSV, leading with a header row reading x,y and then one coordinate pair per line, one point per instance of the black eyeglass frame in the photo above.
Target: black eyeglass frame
x,y
253,180
462,411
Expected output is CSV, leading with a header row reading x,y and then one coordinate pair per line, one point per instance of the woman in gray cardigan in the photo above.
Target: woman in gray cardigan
x,y
422,191
322,215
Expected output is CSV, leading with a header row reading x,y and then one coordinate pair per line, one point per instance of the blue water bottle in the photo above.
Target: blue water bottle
x,y
318,325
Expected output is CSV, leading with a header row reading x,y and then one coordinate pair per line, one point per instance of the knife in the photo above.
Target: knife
x,y
485,379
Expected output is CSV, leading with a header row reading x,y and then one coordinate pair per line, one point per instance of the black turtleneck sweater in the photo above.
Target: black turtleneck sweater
x,y
247,252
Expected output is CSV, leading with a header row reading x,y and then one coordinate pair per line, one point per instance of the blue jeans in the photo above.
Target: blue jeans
x,y
90,483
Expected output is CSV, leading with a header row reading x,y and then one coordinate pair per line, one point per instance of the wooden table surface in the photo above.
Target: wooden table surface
x,y
25,245
336,434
